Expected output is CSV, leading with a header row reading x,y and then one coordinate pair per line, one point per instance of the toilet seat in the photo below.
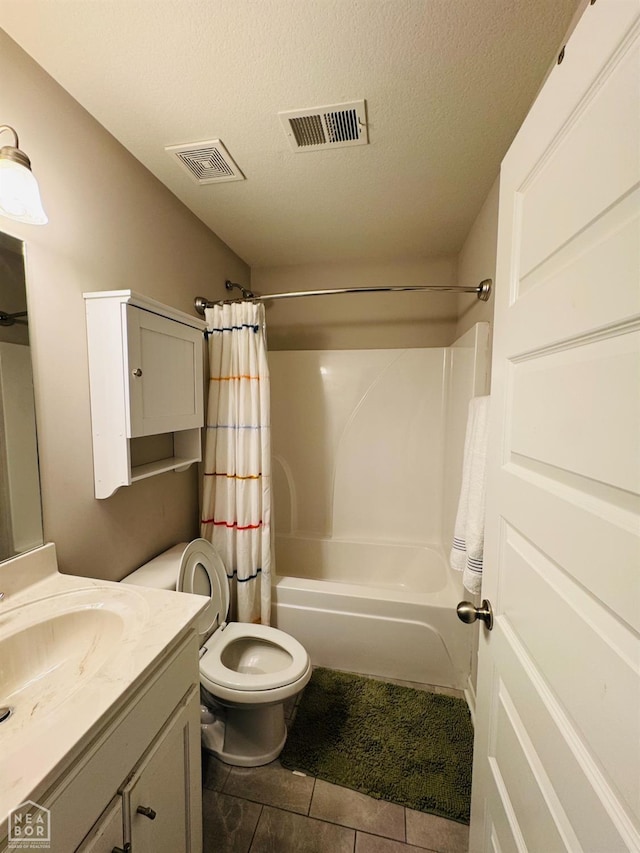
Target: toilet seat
x,y
202,572
216,672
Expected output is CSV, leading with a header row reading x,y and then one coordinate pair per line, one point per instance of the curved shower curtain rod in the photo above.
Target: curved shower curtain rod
x,y
7,319
482,291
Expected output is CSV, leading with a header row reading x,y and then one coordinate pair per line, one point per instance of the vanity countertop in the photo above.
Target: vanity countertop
x,y
85,646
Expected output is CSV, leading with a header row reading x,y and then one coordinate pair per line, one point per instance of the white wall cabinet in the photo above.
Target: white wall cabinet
x,y
146,378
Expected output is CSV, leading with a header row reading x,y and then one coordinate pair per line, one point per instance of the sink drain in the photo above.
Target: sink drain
x,y
5,713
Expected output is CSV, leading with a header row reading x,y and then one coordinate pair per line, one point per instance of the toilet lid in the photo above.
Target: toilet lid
x,y
202,572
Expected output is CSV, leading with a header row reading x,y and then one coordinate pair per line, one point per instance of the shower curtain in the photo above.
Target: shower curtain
x,y
236,516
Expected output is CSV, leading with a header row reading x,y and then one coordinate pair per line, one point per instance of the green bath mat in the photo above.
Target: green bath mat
x,y
390,742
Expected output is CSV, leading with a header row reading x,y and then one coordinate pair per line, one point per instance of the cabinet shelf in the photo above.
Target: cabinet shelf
x,y
173,463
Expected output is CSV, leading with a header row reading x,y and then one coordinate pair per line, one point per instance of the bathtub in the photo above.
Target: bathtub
x,y
375,609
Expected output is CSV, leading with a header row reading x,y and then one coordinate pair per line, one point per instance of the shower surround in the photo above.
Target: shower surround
x,y
367,455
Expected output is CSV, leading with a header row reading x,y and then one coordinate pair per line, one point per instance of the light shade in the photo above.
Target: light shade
x,y
19,192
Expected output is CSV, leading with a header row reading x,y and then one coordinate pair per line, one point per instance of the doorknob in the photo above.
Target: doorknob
x,y
468,613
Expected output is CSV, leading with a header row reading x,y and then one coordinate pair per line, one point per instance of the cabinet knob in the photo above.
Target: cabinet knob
x,y
137,371
147,812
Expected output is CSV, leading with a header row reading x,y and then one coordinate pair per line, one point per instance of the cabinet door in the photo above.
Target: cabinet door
x,y
163,374
163,800
107,832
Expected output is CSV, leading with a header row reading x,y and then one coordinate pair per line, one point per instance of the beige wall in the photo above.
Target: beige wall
x,y
363,321
384,320
112,225
477,261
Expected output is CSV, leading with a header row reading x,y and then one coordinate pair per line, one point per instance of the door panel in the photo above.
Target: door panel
x,y
603,130
524,778
558,711
595,680
568,766
562,405
551,508
576,278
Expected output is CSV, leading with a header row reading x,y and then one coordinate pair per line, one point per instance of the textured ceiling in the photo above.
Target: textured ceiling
x,y
447,84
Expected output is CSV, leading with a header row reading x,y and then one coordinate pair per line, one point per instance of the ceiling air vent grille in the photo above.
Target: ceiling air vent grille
x,y
207,162
326,127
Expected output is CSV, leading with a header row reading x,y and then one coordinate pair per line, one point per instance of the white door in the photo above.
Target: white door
x,y
557,760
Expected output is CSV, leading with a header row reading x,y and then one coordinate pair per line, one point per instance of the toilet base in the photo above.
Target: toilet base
x,y
244,736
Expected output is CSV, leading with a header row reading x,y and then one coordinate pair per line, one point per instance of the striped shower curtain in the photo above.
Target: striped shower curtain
x,y
236,516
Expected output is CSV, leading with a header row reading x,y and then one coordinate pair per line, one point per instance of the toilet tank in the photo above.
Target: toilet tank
x,y
161,572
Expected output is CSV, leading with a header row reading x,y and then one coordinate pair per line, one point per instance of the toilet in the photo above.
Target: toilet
x,y
247,671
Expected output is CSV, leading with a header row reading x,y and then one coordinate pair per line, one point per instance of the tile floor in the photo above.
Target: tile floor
x,y
272,810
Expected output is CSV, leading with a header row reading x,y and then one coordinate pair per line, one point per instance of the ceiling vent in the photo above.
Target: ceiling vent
x,y
326,127
207,162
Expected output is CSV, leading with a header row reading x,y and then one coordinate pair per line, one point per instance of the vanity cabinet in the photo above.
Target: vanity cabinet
x,y
153,810
155,801
147,391
139,783
108,833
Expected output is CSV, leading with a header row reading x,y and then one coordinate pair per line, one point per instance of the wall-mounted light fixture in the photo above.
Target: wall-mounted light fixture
x,y
19,193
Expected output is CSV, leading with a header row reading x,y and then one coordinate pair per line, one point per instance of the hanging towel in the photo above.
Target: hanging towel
x,y
468,537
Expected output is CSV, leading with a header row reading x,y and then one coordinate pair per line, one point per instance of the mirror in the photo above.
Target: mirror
x,y
20,505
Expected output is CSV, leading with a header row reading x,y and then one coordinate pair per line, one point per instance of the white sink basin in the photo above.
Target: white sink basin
x,y
68,647
53,647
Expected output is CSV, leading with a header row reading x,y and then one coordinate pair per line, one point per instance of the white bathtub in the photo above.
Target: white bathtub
x,y
376,609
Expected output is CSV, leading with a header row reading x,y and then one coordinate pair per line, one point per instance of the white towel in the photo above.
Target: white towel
x,y
468,536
